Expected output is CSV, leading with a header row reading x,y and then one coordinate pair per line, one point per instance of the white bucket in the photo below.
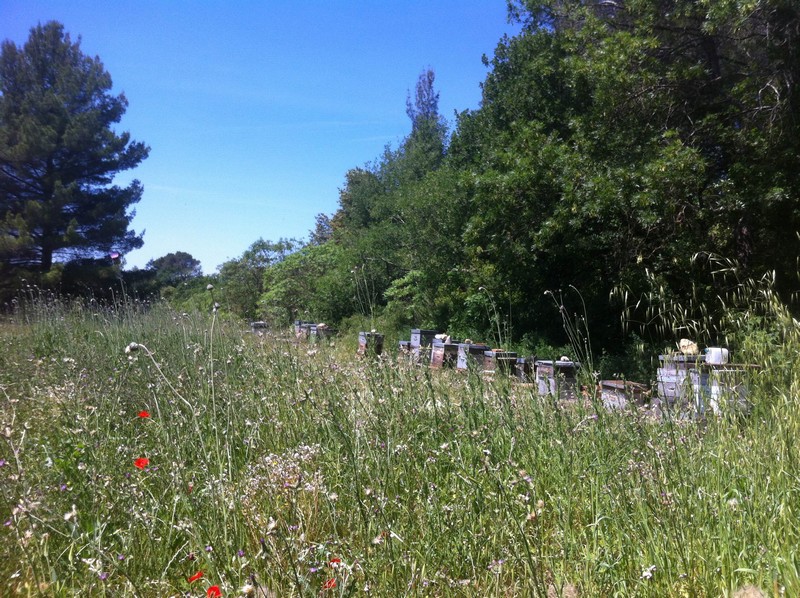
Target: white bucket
x,y
716,355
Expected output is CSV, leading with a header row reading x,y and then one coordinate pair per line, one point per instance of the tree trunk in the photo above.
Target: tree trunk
x,y
47,259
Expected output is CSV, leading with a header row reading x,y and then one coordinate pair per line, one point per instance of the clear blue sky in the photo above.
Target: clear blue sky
x,y
254,111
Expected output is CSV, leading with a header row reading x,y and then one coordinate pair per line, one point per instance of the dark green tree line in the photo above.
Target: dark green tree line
x,y
618,145
174,268
620,139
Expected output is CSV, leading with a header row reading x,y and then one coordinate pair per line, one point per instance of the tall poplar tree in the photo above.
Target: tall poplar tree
x,y
59,154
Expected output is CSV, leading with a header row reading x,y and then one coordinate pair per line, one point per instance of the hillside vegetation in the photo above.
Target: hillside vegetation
x,y
624,149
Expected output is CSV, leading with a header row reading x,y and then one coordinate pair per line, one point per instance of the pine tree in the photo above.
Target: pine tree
x,y
59,154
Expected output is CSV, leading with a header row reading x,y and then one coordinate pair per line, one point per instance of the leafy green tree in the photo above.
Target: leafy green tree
x,y
361,191
313,283
431,250
424,149
192,294
241,281
617,139
323,230
174,268
59,155
379,225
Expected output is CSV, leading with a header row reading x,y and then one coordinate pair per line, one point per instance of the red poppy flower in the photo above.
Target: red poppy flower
x,y
335,562
144,414
330,584
213,592
196,576
142,462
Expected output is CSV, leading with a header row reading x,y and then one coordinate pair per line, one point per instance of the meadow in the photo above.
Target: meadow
x,y
147,452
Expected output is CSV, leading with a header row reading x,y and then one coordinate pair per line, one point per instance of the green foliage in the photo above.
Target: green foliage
x,y
313,283
175,268
611,147
242,280
612,143
616,148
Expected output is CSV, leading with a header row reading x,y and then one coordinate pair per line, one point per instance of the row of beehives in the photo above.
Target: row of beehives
x,y
312,331
439,351
682,381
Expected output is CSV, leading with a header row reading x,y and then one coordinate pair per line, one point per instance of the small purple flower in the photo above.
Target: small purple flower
x,y
121,557
103,576
209,548
240,553
63,487
3,462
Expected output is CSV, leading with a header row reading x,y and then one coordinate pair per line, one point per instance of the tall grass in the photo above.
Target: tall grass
x,y
278,469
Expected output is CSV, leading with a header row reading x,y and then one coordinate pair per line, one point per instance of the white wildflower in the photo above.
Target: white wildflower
x,y
647,572
73,514
95,566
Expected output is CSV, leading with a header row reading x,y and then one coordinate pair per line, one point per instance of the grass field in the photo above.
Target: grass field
x,y
146,452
